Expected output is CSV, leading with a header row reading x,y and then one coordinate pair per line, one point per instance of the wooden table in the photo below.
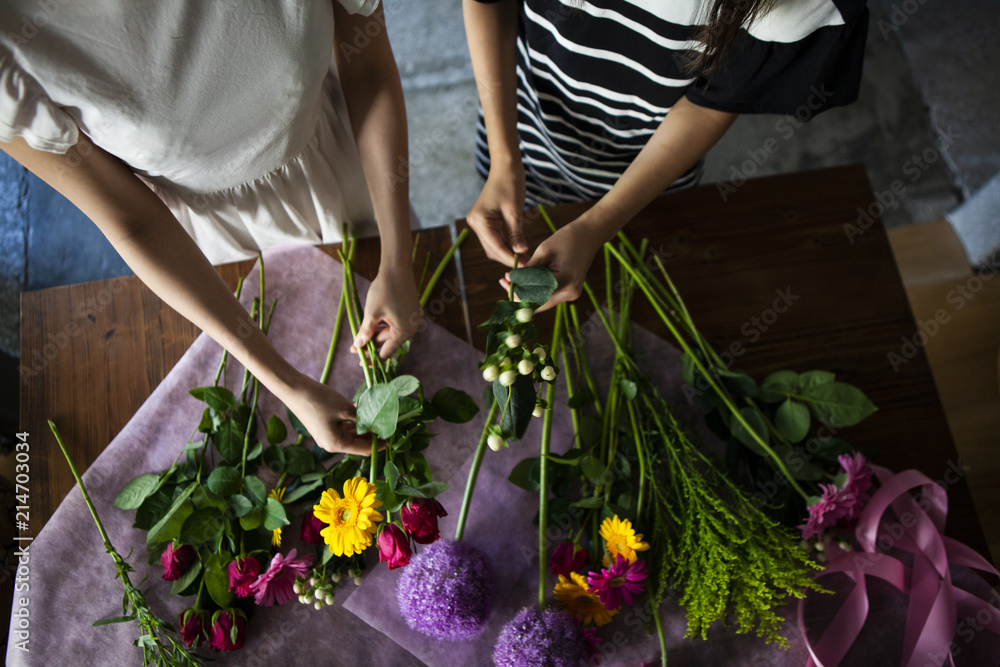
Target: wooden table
x,y
845,311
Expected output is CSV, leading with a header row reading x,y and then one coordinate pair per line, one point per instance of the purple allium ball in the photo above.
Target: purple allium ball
x,y
537,638
446,592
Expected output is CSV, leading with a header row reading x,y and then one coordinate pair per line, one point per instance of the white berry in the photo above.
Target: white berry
x,y
513,340
507,378
491,372
540,353
525,315
495,442
537,412
525,367
548,374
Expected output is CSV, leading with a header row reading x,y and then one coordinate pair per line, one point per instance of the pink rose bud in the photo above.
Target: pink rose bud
x,y
193,630
393,547
226,633
310,528
242,573
176,561
420,519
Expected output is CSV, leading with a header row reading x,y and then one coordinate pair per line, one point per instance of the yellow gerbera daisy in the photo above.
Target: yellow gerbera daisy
x,y
277,493
351,519
620,538
578,601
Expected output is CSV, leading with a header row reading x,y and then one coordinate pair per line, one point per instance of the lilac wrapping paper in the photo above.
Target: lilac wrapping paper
x,y
72,579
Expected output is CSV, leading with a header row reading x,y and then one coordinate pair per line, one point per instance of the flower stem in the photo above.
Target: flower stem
x,y
429,289
477,461
83,489
543,469
373,473
663,640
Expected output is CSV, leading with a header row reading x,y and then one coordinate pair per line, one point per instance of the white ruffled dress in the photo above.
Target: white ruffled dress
x,y
230,110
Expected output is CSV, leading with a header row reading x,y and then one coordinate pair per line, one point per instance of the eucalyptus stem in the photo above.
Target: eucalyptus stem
x,y
477,462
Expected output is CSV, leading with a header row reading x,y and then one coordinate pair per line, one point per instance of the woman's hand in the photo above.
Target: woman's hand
x,y
568,254
496,217
392,310
329,418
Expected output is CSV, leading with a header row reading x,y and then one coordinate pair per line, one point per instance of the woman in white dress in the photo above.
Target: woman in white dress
x,y
194,133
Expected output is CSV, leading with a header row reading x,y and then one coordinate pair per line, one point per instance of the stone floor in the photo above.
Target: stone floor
x,y
928,75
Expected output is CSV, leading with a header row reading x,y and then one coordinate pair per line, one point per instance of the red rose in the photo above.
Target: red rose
x,y
193,628
242,573
310,529
175,562
565,560
226,633
393,547
420,519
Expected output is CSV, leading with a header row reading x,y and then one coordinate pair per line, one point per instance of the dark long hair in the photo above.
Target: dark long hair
x,y
722,32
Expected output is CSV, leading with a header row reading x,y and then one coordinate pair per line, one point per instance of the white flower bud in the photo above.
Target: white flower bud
x,y
820,546
312,582
525,367
303,599
297,587
548,374
540,353
525,315
318,605
821,557
495,442
513,340
507,378
845,546
491,372
328,598
309,596
537,412
357,580
336,577
505,362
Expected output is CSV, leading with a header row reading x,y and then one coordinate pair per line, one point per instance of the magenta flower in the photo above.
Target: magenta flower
x,y
192,627
854,492
242,573
420,519
565,560
175,562
311,526
621,580
824,513
394,547
276,585
226,633
594,651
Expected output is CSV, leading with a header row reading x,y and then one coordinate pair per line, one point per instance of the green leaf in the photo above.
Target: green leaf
x,y
838,403
517,416
276,431
153,508
229,441
629,388
257,490
217,579
757,423
298,460
580,399
251,520
815,378
255,451
571,458
378,410
202,526
112,619
590,431
274,459
169,526
780,381
740,383
687,369
225,481
590,502
296,424
302,490
239,505
136,491
391,475
594,470
792,420
274,516
217,398
501,313
405,384
533,283
454,406
189,577
527,474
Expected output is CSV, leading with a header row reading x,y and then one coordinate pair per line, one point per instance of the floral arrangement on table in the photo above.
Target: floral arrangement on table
x,y
216,519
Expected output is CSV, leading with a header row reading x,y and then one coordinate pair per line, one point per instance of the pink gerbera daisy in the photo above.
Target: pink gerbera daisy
x,y
276,584
859,480
621,580
824,513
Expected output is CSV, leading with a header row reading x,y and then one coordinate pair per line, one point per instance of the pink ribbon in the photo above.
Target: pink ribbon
x,y
935,601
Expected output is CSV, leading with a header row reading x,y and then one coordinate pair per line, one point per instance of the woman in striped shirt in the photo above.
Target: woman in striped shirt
x,y
620,100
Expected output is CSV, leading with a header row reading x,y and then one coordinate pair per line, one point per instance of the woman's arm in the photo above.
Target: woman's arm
x,y
496,217
683,138
375,105
166,259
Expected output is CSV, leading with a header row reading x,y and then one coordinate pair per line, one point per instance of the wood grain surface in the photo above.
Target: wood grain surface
x,y
92,353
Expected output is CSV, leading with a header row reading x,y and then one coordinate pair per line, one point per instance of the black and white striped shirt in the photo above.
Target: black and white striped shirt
x,y
596,78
